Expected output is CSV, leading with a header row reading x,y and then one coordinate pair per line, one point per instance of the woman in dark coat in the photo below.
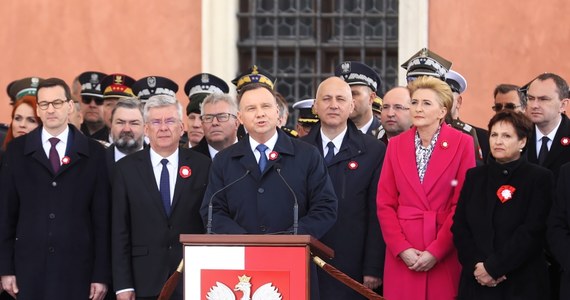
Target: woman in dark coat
x,y
500,221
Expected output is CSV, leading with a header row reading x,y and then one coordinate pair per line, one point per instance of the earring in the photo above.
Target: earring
x,y
521,149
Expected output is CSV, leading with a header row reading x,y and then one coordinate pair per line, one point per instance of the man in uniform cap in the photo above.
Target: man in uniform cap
x,y
197,88
154,85
253,75
306,119
21,87
377,107
426,63
480,136
364,83
92,105
115,87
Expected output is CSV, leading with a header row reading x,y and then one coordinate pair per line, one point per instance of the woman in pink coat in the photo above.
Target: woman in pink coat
x,y
420,182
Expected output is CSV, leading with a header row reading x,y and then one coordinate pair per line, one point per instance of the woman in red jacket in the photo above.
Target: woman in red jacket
x,y
420,182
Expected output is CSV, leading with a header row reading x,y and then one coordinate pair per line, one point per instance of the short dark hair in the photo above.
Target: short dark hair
x,y
51,82
561,84
254,86
522,124
505,88
128,103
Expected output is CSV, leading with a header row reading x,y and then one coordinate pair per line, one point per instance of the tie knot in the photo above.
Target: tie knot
x,y
53,141
545,139
164,162
261,148
330,145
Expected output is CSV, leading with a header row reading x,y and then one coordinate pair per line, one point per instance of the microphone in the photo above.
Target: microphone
x,y
295,206
210,203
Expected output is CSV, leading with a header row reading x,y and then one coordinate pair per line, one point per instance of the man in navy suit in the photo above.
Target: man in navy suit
x,y
54,208
354,161
261,203
157,194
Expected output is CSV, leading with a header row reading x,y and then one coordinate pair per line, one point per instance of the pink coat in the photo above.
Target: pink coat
x,y
416,215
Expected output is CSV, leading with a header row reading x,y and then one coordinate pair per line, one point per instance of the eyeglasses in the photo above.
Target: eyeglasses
x,y
396,107
222,117
89,99
58,103
168,122
499,106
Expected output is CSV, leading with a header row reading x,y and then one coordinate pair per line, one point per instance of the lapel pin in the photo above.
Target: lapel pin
x,y
65,160
505,193
353,165
273,155
444,144
565,141
185,172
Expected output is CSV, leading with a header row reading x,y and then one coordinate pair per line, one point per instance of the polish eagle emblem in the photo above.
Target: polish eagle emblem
x,y
222,292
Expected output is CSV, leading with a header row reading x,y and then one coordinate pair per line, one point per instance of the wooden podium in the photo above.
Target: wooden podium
x,y
222,266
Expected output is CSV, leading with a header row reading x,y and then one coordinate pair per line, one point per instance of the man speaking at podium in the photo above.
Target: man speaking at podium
x,y
255,184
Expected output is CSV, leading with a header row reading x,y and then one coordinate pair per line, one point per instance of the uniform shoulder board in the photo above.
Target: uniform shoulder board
x,y
290,132
104,143
457,124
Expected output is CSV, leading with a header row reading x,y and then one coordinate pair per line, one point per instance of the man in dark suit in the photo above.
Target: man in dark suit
x,y
549,143
354,162
395,114
268,160
220,124
54,208
547,97
157,194
364,83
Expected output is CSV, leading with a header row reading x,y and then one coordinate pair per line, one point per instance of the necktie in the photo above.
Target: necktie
x,y
543,150
165,186
53,155
330,153
263,158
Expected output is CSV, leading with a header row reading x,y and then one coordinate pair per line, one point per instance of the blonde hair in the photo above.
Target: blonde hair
x,y
441,89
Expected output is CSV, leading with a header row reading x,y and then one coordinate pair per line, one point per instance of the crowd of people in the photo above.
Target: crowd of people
x,y
99,179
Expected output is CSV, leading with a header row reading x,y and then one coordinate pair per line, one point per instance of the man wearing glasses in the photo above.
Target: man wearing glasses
x,y
509,96
91,101
157,193
54,208
220,124
395,114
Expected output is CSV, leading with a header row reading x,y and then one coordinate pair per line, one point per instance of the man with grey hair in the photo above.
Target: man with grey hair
x,y
157,194
220,124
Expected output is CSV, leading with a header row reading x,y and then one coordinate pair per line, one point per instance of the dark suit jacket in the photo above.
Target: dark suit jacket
x,y
559,229
55,228
355,237
507,237
259,202
559,154
146,248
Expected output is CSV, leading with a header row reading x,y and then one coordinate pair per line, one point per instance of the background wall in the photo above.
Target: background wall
x,y
507,41
64,38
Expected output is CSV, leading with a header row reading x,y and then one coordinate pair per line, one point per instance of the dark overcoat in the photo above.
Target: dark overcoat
x,y
508,237
55,228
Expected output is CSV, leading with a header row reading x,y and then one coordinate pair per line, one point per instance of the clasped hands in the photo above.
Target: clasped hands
x,y
483,278
416,260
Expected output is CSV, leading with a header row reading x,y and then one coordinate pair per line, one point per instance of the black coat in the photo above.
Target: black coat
x,y
146,248
55,228
559,229
507,237
202,147
355,237
559,154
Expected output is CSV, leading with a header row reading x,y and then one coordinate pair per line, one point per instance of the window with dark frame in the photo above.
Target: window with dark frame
x,y
301,41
